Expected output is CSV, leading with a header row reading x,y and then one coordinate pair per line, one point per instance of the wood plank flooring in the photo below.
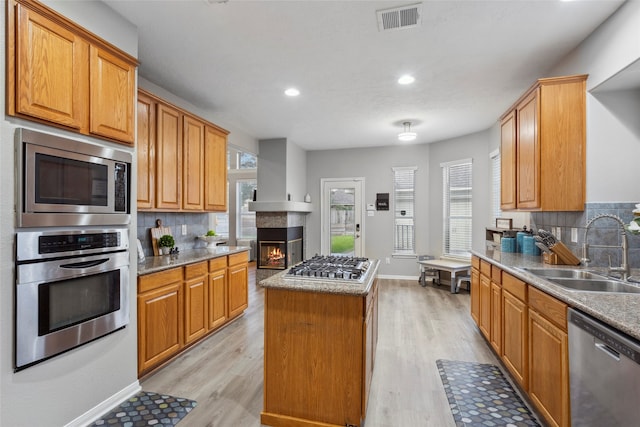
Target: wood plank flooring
x,y
417,326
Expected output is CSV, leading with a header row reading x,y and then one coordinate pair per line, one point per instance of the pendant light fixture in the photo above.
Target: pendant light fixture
x,y
407,135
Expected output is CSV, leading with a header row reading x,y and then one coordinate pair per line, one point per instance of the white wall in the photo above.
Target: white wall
x,y
57,391
613,141
272,170
296,172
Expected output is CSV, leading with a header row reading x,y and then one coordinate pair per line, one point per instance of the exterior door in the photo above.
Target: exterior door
x,y
342,220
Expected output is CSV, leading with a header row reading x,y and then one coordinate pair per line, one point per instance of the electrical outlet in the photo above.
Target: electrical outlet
x,y
184,229
574,235
387,260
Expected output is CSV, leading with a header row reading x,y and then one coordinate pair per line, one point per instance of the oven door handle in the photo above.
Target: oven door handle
x,y
85,264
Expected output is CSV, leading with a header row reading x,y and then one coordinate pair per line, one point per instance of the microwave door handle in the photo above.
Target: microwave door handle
x,y
85,264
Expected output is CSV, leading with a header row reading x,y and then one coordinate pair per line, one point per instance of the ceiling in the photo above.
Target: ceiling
x,y
471,61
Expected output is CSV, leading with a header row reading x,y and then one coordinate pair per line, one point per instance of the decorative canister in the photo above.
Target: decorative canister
x,y
529,246
519,236
508,244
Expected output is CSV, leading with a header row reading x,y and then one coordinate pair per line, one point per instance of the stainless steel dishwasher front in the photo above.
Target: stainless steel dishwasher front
x,y
604,372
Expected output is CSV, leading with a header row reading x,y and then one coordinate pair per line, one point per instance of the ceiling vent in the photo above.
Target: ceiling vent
x,y
399,18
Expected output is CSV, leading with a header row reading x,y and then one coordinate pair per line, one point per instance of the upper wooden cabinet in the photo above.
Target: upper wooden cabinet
x,y
543,147
182,159
60,74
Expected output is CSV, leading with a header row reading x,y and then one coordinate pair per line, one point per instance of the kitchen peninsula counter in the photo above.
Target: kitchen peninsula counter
x,y
620,310
320,340
153,264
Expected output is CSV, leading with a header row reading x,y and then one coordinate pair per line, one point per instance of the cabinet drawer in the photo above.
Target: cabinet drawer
x,y
515,286
217,263
195,270
485,268
496,275
240,258
475,262
555,311
155,280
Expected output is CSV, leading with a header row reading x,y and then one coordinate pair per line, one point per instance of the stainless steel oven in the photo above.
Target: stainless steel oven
x,y
72,287
64,182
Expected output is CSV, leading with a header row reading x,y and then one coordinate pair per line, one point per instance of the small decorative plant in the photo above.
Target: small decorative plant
x,y
166,241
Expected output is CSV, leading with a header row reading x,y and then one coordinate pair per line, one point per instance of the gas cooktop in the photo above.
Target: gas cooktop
x,y
325,267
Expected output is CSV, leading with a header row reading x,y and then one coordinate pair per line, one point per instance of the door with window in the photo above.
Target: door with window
x,y
341,215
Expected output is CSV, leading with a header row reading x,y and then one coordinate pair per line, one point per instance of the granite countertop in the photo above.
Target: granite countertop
x,y
340,287
620,310
154,264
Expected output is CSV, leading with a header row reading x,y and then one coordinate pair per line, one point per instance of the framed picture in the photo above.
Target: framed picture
x,y
504,223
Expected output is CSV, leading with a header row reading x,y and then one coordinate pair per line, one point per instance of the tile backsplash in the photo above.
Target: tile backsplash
x,y
602,232
197,225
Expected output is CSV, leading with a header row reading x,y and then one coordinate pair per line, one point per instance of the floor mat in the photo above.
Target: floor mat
x,y
480,395
148,409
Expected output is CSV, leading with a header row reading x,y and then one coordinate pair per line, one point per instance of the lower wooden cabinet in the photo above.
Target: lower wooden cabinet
x,y
485,306
160,317
238,295
182,305
475,295
496,317
549,358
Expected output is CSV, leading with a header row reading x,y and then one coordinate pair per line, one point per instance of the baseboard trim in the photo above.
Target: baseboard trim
x,y
394,277
104,407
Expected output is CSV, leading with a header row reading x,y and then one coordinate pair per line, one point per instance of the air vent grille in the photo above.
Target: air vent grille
x,y
399,18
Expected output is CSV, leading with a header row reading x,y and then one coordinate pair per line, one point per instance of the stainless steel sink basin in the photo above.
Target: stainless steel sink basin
x,y
595,285
575,279
571,273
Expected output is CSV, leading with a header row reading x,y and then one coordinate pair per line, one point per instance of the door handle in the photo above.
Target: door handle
x,y
86,264
608,351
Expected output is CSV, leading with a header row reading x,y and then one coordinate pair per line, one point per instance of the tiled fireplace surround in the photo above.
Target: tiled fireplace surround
x,y
280,220
603,231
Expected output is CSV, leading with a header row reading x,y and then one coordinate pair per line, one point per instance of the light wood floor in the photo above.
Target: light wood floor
x,y
417,326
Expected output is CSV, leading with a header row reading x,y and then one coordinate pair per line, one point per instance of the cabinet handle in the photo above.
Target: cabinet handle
x,y
608,351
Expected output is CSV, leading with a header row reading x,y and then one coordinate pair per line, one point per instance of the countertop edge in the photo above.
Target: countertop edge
x,y
156,264
277,281
621,311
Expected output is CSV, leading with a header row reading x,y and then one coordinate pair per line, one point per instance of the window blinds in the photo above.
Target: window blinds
x,y
404,209
457,207
495,185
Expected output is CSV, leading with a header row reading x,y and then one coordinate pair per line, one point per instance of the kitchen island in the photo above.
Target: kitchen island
x,y
320,338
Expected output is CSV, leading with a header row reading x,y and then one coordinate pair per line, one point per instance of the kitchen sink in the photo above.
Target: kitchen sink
x,y
595,285
572,273
575,279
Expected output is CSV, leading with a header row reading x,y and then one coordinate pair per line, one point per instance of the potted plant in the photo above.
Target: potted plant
x,y
166,242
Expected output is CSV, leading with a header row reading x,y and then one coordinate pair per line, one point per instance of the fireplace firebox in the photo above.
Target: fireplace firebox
x,y
279,248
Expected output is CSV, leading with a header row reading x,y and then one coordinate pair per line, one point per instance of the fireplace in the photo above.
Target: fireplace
x,y
279,248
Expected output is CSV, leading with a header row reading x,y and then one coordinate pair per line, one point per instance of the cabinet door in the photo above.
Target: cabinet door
x,y
549,370
508,162
528,152
146,152
238,289
485,306
514,345
215,170
196,308
113,91
51,71
475,295
217,298
496,317
193,164
168,158
160,327
368,352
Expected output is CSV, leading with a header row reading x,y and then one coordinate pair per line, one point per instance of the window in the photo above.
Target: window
x,y
496,212
403,206
246,226
457,204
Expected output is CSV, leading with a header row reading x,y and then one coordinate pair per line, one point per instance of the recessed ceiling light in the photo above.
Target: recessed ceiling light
x,y
292,91
406,80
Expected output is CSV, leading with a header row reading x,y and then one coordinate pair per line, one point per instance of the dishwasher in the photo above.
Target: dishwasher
x,y
604,372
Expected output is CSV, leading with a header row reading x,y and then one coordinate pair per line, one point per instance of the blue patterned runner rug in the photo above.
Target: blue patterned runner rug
x,y
480,395
148,409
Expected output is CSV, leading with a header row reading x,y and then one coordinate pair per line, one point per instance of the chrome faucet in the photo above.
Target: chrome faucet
x,y
624,267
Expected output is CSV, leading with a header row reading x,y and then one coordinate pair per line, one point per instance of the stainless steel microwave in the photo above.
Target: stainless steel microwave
x,y
65,182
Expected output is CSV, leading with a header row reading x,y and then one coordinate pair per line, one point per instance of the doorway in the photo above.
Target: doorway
x,y
341,216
